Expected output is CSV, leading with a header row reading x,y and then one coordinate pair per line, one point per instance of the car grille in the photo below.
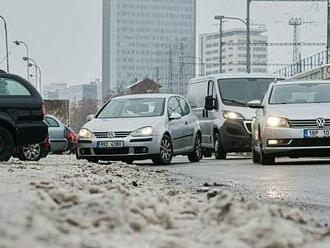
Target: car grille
x,y
119,134
310,142
111,151
306,123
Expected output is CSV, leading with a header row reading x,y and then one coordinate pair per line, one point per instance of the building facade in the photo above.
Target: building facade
x,y
148,38
233,51
77,93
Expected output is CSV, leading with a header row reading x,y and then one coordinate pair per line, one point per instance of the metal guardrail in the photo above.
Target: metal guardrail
x,y
305,65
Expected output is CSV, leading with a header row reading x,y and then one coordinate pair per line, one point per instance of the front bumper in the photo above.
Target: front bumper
x,y
291,141
134,147
235,136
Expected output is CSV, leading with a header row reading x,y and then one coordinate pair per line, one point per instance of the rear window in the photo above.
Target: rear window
x,y
10,87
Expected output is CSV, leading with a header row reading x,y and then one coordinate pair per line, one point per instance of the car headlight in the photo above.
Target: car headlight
x,y
85,134
274,121
145,131
232,115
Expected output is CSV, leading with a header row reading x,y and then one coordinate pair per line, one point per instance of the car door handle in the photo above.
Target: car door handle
x,y
186,122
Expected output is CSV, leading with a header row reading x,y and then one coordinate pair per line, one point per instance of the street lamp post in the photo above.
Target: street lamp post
x,y
18,42
248,41
6,39
37,71
220,18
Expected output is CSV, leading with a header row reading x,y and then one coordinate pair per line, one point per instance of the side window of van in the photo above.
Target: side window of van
x,y
196,94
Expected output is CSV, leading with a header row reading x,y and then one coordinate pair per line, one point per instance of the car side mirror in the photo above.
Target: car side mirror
x,y
90,117
210,103
255,104
175,116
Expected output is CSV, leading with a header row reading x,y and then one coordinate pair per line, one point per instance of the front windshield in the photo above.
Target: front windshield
x,y
132,108
239,91
301,93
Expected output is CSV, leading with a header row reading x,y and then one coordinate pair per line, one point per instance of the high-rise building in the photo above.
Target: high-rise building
x,y
233,51
148,39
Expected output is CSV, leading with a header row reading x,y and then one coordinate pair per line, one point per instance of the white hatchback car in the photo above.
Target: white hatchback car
x,y
137,127
292,120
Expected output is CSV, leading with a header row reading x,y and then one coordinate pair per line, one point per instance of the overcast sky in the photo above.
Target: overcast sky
x,y
64,36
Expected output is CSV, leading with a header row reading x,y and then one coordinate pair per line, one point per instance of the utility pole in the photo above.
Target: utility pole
x,y
295,22
6,41
171,69
328,35
181,69
248,37
220,18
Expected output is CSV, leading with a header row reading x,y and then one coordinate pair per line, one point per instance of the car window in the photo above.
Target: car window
x,y
133,108
184,106
174,106
51,122
10,87
196,94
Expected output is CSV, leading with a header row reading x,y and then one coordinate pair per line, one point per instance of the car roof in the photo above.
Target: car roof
x,y
302,82
238,75
151,95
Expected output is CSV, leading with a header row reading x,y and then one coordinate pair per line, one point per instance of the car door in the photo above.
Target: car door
x,y
176,126
56,131
189,124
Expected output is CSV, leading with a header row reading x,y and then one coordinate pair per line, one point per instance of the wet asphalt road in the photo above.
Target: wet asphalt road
x,y
303,183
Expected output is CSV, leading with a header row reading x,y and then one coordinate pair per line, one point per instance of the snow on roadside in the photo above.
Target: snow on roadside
x,y
73,204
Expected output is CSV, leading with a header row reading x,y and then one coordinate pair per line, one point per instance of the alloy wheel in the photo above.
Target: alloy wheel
x,y
32,152
166,149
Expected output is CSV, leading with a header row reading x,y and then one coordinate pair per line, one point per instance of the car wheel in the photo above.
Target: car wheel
x,y
197,154
7,144
267,159
93,160
31,152
255,156
166,152
218,149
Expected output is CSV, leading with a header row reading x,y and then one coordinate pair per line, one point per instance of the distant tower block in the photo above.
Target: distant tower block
x,y
296,22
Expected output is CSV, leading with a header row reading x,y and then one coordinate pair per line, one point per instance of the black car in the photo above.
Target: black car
x,y
21,115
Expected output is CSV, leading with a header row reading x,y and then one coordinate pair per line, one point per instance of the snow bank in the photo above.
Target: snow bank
x,y
75,204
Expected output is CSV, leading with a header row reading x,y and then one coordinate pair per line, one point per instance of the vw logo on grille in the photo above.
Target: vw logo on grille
x,y
111,135
320,122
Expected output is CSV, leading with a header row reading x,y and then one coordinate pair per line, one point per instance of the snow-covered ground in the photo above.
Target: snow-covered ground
x,y
61,202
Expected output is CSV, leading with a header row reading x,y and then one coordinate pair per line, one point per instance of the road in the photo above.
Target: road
x,y
302,183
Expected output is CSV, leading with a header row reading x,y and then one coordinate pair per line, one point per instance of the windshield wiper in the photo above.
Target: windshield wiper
x,y
234,101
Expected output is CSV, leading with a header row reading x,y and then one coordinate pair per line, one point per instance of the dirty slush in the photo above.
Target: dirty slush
x,y
60,202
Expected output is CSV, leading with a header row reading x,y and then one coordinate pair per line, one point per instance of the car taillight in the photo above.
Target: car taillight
x,y
43,109
71,136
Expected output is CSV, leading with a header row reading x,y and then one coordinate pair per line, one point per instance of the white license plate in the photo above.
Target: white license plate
x,y
110,144
317,133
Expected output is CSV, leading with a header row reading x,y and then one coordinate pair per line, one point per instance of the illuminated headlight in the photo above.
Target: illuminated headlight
x,y
232,115
274,121
145,131
85,133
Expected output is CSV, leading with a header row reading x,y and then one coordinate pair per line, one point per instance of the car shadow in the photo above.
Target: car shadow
x,y
303,163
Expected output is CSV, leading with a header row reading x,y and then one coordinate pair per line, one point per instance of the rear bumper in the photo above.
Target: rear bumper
x,y
235,136
35,133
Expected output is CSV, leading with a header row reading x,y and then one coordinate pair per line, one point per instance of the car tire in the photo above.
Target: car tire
x,y
197,154
218,149
93,160
255,156
7,144
32,152
267,159
166,152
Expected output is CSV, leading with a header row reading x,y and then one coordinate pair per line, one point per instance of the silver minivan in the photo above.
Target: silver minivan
x,y
220,103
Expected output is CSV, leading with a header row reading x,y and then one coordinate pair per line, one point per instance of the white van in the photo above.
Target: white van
x,y
220,103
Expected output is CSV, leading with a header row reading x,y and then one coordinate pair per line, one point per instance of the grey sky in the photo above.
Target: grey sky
x,y
64,36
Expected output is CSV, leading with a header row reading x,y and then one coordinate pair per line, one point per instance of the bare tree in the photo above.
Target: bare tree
x,y
79,112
